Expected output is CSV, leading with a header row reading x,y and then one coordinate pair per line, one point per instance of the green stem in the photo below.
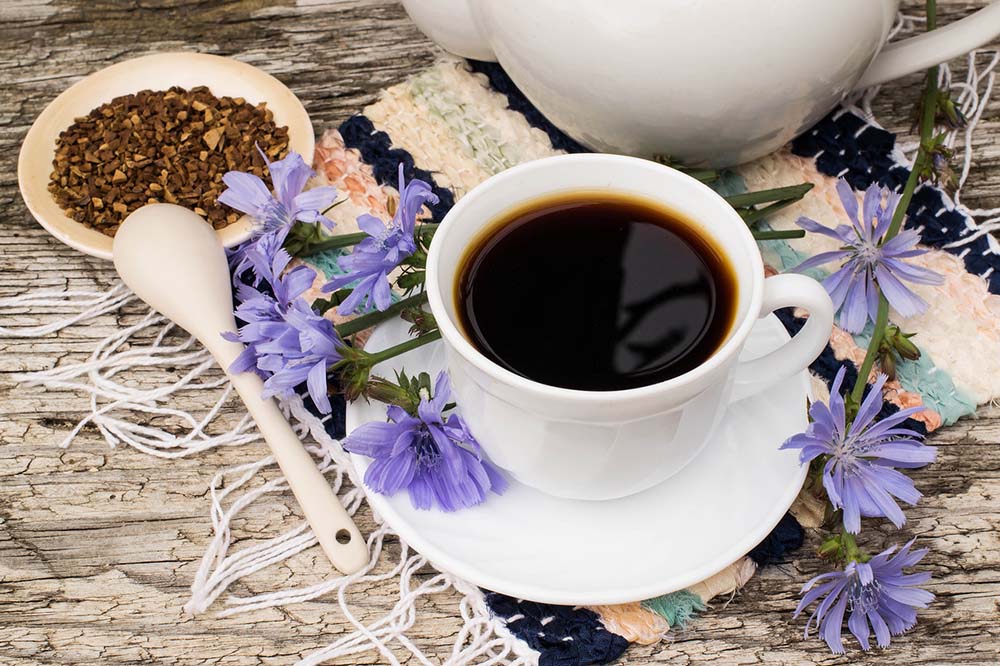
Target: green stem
x,y
403,347
347,240
778,235
703,175
341,240
907,196
881,319
331,206
368,320
926,128
747,199
849,548
751,215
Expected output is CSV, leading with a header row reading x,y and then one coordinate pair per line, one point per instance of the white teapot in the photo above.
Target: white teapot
x,y
706,82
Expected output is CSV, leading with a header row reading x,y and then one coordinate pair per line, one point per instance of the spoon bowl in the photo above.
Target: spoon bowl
x,y
174,262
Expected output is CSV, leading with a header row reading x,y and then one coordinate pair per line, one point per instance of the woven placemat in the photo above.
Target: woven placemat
x,y
458,122
454,125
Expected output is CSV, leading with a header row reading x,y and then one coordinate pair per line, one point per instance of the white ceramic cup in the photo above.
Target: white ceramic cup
x,y
608,444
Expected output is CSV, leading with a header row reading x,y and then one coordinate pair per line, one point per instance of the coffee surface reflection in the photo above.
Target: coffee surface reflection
x,y
595,291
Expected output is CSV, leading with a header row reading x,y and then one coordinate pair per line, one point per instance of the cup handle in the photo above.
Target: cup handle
x,y
783,291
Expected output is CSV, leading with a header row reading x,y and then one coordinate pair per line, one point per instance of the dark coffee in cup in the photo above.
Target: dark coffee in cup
x,y
595,291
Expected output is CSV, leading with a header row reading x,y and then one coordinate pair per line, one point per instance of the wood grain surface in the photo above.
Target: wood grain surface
x,y
98,546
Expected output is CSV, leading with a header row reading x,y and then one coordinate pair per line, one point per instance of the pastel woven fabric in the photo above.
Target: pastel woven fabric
x,y
458,123
454,125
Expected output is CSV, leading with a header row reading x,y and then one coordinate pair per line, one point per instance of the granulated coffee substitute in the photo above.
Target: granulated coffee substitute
x,y
169,146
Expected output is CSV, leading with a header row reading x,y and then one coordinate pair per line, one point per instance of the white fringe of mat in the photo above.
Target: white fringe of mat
x,y
117,405
972,96
116,408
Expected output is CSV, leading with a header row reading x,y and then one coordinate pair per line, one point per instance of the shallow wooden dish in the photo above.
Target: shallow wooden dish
x,y
223,76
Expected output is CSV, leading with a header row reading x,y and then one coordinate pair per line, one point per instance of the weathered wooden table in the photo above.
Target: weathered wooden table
x,y
98,546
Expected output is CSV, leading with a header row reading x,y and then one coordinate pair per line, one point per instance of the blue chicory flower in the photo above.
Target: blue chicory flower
x,y
317,350
860,476
879,596
270,338
378,255
436,459
277,212
869,264
255,256
287,343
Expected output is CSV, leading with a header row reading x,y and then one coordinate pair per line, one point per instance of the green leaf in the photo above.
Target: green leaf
x,y
324,305
410,280
748,199
423,321
352,326
703,175
424,383
830,548
753,215
302,238
777,235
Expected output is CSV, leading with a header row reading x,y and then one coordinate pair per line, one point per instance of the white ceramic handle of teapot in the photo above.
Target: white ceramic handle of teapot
x,y
450,24
785,291
934,47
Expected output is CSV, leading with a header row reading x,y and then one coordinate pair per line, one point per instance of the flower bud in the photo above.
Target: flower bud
x,y
382,390
900,343
937,167
887,362
906,349
948,113
830,548
423,321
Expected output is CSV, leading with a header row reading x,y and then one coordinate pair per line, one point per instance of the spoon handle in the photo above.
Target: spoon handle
x,y
174,261
334,528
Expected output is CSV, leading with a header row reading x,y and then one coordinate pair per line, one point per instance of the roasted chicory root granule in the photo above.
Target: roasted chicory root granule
x,y
169,146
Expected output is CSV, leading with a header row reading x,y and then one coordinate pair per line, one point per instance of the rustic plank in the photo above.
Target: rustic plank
x,y
98,546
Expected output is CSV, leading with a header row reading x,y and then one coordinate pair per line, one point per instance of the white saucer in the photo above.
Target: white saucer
x,y
532,546
223,76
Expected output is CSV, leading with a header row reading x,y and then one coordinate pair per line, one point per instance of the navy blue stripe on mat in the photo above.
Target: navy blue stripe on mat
x,y
334,423
564,635
844,145
786,537
377,151
516,100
